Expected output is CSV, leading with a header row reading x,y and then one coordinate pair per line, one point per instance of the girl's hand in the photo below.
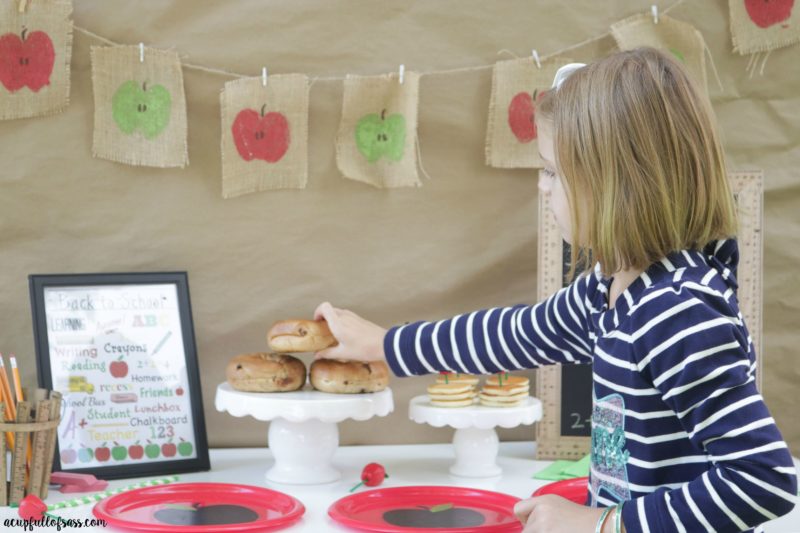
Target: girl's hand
x,y
554,514
359,339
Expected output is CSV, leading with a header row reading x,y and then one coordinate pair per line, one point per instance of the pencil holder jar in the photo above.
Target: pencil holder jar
x,y
31,439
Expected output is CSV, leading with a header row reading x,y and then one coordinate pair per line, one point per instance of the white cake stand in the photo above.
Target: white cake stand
x,y
303,433
475,440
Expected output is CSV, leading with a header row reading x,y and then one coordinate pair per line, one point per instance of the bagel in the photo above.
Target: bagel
x,y
349,377
298,335
266,372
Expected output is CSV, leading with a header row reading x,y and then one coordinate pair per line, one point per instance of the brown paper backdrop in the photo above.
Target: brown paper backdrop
x,y
466,239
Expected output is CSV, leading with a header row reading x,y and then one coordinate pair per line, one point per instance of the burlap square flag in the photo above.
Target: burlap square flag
x,y
680,39
377,136
517,85
763,25
35,53
139,106
264,134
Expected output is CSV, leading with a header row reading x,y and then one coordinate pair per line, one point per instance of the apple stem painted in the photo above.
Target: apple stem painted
x,y
263,108
24,31
383,115
144,88
359,484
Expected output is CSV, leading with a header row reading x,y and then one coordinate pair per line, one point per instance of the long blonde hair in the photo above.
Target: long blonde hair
x,y
637,147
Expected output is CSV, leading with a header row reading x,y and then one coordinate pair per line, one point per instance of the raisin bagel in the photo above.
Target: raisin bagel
x,y
349,377
298,335
266,372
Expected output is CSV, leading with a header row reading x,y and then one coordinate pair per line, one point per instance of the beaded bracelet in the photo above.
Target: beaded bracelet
x,y
599,527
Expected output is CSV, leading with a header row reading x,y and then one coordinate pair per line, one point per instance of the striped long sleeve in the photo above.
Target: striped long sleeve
x,y
499,339
680,433
691,344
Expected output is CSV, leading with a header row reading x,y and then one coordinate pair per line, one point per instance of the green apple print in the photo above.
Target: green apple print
x,y
379,135
139,107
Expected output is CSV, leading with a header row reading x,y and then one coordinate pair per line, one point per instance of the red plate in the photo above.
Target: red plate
x,y
200,507
439,509
575,490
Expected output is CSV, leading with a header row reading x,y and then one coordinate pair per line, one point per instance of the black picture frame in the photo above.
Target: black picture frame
x,y
126,283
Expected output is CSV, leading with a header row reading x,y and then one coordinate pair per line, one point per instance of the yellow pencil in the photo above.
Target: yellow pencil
x,y
11,410
17,381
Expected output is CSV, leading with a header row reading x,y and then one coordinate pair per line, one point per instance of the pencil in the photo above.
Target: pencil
x,y
17,381
11,409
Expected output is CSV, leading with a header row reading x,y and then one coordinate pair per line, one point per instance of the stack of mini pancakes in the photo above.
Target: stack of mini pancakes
x,y
454,390
502,390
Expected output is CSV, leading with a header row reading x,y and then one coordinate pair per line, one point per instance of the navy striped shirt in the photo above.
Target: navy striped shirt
x,y
679,430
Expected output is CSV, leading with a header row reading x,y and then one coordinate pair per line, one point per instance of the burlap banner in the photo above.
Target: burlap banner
x,y
376,143
35,54
682,40
511,133
760,26
264,134
139,106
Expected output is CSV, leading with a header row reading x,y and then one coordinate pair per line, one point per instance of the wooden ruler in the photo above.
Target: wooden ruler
x,y
550,443
748,189
50,445
42,414
17,491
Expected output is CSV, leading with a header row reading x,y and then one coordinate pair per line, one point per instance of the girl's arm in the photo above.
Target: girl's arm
x,y
494,340
556,330
707,377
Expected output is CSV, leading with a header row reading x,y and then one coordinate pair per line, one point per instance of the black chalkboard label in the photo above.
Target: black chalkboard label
x,y
576,400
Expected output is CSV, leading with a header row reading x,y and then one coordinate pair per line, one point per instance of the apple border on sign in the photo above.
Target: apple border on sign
x,y
171,457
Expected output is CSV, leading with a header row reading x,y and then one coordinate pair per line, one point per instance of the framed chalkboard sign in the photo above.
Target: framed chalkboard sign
x,y
120,348
564,432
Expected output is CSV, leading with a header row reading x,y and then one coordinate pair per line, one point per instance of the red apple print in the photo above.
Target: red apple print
x,y
168,449
26,60
135,451
179,391
118,369
765,13
103,453
261,136
68,456
521,114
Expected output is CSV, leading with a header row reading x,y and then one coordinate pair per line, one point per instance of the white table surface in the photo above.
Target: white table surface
x,y
422,464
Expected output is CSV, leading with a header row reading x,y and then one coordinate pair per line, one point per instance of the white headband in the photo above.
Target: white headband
x,y
564,72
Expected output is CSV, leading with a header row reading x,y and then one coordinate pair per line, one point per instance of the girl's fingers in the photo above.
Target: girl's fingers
x,y
329,314
327,353
323,310
523,509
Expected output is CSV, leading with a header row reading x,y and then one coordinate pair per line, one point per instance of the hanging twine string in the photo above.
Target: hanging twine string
x,y
458,70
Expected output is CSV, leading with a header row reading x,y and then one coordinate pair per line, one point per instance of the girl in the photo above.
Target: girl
x,y
681,438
